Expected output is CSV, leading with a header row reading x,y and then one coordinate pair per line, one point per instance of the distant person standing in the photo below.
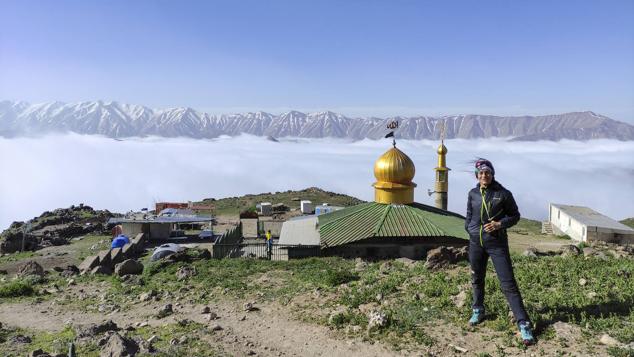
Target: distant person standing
x,y
491,209
269,243
116,231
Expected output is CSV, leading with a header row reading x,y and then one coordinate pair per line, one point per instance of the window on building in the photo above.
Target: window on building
x,y
583,231
442,176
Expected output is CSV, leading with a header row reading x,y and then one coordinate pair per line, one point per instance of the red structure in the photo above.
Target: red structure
x,y
163,205
182,205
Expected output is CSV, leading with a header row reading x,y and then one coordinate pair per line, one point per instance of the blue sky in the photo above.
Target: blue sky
x,y
354,57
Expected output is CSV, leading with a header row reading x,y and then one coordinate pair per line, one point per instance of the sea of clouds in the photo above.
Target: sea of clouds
x,y
49,172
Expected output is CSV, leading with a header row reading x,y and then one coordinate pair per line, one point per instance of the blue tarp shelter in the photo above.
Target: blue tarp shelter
x,y
120,241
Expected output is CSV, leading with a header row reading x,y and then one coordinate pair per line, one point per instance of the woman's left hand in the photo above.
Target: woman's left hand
x,y
492,226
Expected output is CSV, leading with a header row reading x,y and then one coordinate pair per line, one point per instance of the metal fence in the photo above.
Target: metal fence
x,y
264,251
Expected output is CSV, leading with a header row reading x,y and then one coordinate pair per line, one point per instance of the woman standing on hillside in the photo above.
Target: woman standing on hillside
x,y
491,209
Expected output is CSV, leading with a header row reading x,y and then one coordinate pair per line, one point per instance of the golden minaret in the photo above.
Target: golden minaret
x,y
394,172
442,175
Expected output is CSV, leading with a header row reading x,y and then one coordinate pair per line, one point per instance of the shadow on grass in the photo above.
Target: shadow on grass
x,y
575,314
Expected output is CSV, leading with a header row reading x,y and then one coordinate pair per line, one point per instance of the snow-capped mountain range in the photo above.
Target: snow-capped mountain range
x,y
119,120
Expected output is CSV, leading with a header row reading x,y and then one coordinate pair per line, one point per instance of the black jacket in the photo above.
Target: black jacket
x,y
501,207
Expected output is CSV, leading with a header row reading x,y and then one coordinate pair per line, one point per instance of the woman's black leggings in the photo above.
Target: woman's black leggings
x,y
501,258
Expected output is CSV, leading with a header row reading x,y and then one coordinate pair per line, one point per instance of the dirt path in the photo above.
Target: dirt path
x,y
269,331
272,331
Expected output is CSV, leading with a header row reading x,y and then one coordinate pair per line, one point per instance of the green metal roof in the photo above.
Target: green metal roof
x,y
370,220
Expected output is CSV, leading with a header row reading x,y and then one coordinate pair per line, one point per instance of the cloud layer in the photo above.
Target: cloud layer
x,y
61,170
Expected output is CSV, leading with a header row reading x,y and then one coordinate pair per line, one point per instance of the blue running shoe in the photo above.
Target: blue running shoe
x,y
476,317
527,333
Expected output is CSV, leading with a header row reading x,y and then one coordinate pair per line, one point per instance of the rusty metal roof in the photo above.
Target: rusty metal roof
x,y
370,220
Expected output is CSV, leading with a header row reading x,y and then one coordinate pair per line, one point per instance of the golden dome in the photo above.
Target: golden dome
x,y
442,149
394,172
394,166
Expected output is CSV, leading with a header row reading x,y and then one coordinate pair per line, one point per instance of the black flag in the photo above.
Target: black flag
x,y
390,135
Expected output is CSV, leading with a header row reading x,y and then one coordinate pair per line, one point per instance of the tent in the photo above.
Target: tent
x,y
165,250
120,241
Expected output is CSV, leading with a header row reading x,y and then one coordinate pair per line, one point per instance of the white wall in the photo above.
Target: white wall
x,y
564,224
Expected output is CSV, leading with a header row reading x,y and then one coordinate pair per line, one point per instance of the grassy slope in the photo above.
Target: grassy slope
x,y
233,205
628,222
526,225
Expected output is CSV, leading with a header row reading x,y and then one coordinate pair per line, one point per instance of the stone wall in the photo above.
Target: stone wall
x,y
106,260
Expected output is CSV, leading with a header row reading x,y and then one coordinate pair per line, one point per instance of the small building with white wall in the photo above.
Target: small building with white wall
x,y
584,224
265,208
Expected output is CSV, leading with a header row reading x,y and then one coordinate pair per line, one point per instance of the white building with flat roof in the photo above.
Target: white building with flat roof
x,y
584,224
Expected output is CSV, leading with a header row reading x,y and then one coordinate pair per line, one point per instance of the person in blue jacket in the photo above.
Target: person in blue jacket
x,y
491,210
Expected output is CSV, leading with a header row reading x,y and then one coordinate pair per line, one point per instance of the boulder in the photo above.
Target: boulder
x,y
531,252
376,320
588,251
600,255
147,296
11,241
185,272
569,250
96,329
20,339
128,250
566,331
30,267
409,263
116,256
70,270
89,263
119,346
203,254
439,257
179,256
461,253
104,257
129,266
460,299
39,353
166,310
101,269
360,265
609,340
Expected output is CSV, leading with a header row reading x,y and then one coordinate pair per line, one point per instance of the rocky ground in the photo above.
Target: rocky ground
x,y
580,299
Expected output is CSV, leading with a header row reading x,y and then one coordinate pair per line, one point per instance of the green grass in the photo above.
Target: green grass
x,y
52,342
549,286
58,342
16,288
14,257
628,222
527,226
82,247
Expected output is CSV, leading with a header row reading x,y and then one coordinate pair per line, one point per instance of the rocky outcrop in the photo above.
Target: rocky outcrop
x,y
129,266
53,228
444,256
119,346
30,268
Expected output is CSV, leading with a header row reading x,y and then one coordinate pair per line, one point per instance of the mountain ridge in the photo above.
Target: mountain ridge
x,y
119,120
